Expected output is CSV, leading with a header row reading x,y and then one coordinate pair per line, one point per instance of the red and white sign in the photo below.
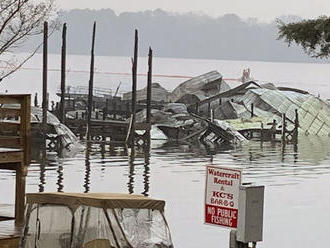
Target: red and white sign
x,y
221,196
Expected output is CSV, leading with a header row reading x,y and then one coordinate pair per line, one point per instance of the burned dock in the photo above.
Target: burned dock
x,y
99,116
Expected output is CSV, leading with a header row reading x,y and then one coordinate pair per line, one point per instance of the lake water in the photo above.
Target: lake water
x,y
297,199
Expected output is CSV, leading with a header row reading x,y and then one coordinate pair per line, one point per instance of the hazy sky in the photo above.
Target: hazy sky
x,y
265,10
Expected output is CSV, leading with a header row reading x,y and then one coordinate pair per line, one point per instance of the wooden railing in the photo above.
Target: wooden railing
x,y
15,147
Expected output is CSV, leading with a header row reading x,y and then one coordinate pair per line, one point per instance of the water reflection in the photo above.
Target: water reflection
x,y
130,184
60,177
142,152
266,162
146,172
87,168
43,165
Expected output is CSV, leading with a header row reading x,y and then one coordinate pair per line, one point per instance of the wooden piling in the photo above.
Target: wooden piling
x,y
252,110
273,135
149,87
105,109
90,87
262,132
63,69
149,99
296,126
36,100
44,79
212,115
134,82
283,133
114,108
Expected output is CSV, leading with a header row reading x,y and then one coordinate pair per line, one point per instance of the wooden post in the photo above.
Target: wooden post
x,y
94,106
220,101
44,79
114,109
296,126
21,171
36,100
63,68
90,88
283,128
273,134
149,99
105,109
149,87
252,110
212,115
134,82
104,113
209,109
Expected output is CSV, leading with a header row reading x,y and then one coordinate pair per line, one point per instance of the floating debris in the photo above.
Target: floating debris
x,y
199,88
159,94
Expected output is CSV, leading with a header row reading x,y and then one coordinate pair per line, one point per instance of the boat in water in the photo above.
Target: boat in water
x,y
94,220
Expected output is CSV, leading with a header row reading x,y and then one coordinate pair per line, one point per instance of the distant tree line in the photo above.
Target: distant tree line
x,y
175,35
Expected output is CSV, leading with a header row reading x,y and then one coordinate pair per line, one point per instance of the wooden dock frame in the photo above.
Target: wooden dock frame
x,y
15,156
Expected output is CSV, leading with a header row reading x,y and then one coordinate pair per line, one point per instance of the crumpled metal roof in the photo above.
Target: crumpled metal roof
x,y
194,85
313,113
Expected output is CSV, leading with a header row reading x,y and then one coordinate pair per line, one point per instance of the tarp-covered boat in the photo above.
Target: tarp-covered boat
x,y
95,220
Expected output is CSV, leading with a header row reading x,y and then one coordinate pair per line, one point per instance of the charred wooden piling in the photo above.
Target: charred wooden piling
x,y
131,131
44,80
63,71
90,87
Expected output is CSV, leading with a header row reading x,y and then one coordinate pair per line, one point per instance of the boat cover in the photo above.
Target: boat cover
x,y
97,220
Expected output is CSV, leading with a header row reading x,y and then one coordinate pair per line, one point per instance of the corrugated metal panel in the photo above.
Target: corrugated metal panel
x,y
314,114
196,84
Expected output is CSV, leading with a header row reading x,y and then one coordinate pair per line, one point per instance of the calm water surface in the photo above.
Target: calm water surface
x,y
297,179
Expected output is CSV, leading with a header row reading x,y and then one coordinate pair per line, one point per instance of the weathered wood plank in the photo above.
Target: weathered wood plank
x,y
9,127
9,112
11,157
10,99
10,141
9,243
25,131
142,126
20,194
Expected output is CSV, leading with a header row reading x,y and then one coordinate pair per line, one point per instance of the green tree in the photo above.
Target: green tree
x,y
19,21
313,35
